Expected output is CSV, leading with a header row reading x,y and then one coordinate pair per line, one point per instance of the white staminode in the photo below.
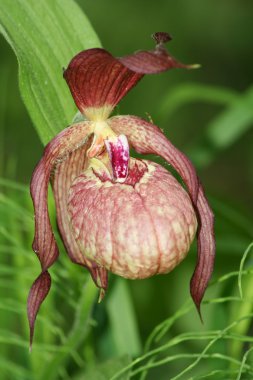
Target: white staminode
x,y
118,151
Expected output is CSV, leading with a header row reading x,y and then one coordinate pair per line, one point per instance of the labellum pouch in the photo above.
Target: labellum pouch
x,y
135,229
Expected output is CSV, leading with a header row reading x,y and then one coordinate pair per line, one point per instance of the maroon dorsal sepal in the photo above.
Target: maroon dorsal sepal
x,y
98,81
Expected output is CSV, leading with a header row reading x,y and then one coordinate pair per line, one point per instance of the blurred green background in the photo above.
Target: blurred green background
x,y
207,113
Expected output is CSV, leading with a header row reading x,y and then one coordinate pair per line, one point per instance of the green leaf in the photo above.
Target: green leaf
x,y
236,311
122,318
232,123
224,129
78,332
191,92
14,370
45,35
107,369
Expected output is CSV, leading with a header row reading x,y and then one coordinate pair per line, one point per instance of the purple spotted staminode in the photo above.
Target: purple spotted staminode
x,y
116,213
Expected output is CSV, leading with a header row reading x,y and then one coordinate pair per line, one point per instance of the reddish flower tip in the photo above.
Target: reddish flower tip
x,y
38,293
101,295
161,37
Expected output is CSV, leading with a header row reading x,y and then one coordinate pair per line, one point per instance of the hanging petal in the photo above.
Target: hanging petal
x,y
98,81
37,294
44,244
64,174
206,250
148,139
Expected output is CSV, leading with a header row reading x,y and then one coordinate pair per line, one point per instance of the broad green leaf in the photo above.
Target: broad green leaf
x,y
45,35
4,76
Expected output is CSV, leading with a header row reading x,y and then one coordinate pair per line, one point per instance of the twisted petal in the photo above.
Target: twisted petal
x,y
98,81
65,172
37,294
44,244
148,139
206,250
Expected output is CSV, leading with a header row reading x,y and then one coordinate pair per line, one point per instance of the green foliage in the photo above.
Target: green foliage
x,y
163,347
224,129
210,356
164,353
45,35
107,369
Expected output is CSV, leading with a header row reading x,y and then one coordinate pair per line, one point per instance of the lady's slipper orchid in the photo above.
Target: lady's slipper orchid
x,y
116,213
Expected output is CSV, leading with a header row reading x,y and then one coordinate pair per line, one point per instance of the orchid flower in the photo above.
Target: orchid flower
x,y
114,212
